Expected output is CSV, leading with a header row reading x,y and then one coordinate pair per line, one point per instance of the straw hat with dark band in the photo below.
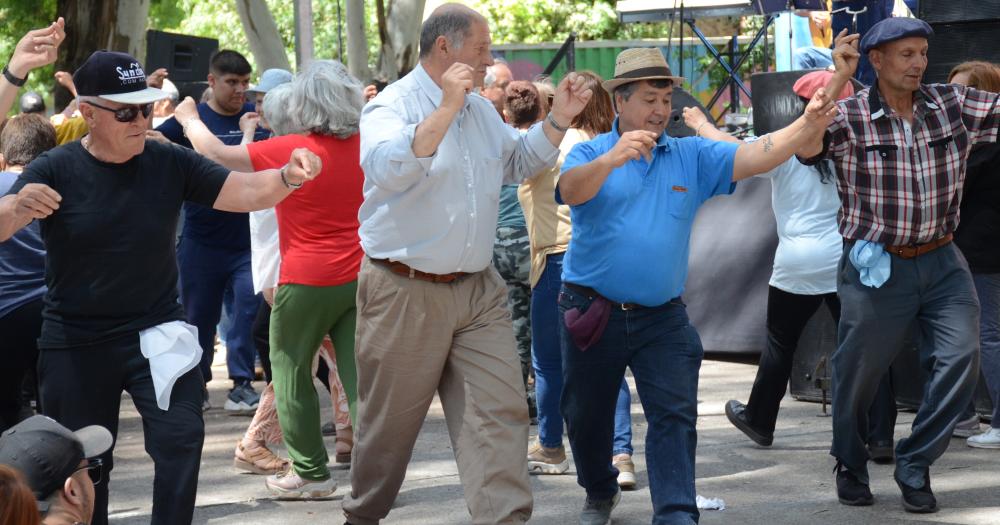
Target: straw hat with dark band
x,y
641,63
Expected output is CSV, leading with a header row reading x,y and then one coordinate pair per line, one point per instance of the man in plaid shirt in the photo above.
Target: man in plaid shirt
x,y
900,148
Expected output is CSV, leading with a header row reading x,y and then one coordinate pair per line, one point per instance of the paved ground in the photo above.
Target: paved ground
x,y
790,483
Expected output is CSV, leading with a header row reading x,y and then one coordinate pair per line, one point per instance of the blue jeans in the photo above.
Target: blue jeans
x,y
988,289
664,353
812,57
546,358
934,290
205,273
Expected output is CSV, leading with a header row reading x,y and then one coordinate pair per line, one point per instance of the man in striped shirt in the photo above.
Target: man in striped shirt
x,y
900,148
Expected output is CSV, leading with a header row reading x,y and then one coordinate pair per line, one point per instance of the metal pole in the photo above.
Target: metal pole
x,y
303,32
681,58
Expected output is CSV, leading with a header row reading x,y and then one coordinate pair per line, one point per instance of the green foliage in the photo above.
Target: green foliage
x,y
717,75
17,17
536,21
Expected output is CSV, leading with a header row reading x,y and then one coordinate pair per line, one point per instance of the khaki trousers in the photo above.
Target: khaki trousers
x,y
415,338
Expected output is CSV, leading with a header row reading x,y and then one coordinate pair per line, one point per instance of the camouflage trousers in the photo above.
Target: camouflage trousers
x,y
512,258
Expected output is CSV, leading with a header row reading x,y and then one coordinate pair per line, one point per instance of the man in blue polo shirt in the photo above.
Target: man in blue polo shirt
x,y
633,194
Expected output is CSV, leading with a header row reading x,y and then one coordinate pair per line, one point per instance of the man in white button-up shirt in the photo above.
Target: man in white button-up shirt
x,y
432,311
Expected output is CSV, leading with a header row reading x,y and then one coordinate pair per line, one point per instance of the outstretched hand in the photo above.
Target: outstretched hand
x,y
37,48
571,97
694,118
155,79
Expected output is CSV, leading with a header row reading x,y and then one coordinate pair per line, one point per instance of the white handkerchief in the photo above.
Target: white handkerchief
x,y
172,349
709,503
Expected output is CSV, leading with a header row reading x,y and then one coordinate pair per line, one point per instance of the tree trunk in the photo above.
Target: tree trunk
x,y
262,35
89,26
403,21
303,32
357,41
129,33
387,56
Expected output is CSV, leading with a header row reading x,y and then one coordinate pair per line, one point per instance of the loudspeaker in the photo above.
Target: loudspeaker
x,y
943,11
774,103
954,43
185,57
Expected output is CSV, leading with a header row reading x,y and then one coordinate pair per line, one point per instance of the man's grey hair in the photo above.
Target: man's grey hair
x,y
326,99
278,112
453,24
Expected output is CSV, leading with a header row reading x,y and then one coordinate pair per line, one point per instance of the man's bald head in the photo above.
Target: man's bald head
x,y
452,21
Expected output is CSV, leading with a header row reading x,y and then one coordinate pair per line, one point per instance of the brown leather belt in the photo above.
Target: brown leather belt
x,y
403,269
915,250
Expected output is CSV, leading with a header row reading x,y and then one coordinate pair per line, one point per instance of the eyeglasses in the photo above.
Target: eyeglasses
x,y
94,468
127,113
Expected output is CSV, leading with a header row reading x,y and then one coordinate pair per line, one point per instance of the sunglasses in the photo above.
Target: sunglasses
x,y
127,113
94,470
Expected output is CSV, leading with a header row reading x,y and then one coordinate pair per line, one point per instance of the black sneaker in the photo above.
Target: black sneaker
x,y
598,512
736,412
851,490
920,500
881,452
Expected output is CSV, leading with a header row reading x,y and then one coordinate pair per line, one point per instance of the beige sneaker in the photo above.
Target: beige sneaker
x,y
288,485
626,471
544,460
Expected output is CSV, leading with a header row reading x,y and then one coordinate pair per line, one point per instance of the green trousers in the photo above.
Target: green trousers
x,y
302,315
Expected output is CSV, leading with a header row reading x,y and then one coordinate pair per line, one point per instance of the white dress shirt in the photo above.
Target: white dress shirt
x,y
439,214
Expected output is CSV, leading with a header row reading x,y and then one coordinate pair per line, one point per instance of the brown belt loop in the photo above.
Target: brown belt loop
x,y
916,250
405,270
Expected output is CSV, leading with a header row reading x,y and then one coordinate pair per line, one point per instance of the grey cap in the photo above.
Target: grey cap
x,y
271,79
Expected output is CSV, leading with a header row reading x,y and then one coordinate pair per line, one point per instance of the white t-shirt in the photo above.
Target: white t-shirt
x,y
809,243
265,258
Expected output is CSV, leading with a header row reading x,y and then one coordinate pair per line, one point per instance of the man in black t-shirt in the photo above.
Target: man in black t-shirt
x,y
108,207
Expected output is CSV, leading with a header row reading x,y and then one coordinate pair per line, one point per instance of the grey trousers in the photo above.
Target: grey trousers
x,y
934,290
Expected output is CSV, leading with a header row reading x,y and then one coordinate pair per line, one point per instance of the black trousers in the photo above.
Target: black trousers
x,y
19,331
83,386
787,315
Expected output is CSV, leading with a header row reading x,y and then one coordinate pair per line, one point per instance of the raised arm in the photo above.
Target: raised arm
x,y
581,183
36,49
775,148
845,59
245,192
236,158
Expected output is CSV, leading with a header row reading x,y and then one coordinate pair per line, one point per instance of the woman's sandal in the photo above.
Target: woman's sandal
x,y
343,446
259,460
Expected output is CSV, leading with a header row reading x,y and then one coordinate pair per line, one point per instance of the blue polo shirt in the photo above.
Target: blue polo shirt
x,y
631,240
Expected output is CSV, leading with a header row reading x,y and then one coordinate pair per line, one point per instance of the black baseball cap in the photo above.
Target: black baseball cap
x,y
117,77
47,453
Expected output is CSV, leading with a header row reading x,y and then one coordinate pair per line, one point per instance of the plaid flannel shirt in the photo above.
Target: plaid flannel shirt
x,y
901,184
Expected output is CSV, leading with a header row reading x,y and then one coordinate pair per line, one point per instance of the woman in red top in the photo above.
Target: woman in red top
x,y
320,258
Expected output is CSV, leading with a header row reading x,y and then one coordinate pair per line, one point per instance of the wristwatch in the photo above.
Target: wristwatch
x,y
12,79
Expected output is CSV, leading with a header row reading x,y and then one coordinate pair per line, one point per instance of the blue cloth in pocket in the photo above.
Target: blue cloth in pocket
x,y
872,262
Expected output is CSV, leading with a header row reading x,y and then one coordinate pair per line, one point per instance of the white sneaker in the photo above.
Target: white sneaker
x,y
626,471
288,485
988,439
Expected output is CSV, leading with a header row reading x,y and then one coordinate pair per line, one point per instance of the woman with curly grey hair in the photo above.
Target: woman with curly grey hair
x,y
320,258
